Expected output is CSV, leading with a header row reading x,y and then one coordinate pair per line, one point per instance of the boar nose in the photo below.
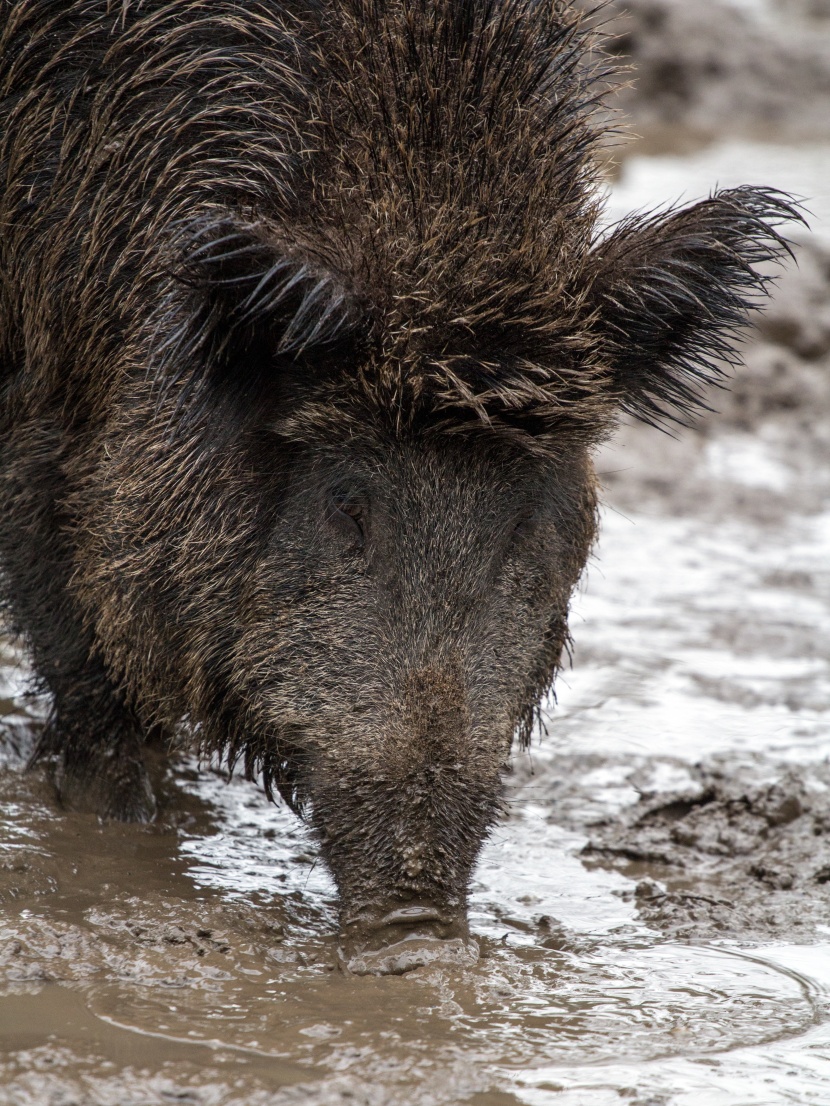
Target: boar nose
x,y
384,921
409,916
396,939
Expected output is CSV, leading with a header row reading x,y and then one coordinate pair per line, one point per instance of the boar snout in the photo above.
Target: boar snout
x,y
401,822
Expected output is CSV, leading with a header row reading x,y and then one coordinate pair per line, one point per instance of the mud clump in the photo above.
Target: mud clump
x,y
410,953
730,857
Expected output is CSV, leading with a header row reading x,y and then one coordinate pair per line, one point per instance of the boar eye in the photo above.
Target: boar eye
x,y
346,516
523,524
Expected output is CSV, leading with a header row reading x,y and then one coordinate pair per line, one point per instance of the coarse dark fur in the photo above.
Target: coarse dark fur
x,y
307,331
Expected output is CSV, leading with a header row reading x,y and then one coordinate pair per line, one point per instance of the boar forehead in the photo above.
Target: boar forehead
x,y
440,497
442,561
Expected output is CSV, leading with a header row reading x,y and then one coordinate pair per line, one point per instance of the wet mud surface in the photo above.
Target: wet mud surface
x,y
653,917
734,857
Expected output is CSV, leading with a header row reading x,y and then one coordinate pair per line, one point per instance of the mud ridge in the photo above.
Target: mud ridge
x,y
733,856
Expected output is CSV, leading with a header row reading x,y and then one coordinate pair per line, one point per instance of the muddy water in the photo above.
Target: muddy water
x,y
654,916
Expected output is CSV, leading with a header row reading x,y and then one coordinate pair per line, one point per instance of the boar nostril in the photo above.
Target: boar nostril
x,y
410,915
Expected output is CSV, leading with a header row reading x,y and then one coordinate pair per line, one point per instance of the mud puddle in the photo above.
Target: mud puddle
x,y
654,916
137,968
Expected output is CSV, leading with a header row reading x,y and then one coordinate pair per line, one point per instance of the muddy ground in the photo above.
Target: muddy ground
x,y
722,67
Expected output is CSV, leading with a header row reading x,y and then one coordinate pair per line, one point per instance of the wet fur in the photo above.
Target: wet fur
x,y
248,253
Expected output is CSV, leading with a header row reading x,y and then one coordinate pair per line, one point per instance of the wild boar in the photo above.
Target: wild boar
x,y
308,328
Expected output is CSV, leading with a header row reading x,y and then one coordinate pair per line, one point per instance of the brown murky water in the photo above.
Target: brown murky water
x,y
654,916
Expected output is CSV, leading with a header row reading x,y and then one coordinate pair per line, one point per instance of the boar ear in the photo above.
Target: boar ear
x,y
252,303
673,290
255,278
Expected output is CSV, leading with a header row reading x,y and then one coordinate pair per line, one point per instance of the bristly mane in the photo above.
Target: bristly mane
x,y
458,166
458,160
